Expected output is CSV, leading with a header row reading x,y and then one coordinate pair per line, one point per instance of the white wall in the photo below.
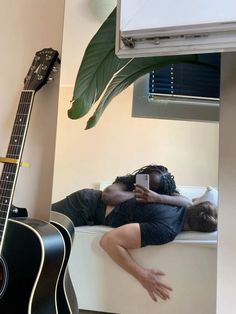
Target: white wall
x,y
27,26
226,274
119,144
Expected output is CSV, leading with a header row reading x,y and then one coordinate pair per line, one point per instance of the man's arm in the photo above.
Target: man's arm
x,y
117,243
145,195
116,193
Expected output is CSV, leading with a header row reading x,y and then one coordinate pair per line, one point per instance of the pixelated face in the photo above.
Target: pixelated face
x,y
155,181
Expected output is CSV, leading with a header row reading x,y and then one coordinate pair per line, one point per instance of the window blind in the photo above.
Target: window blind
x,y
188,80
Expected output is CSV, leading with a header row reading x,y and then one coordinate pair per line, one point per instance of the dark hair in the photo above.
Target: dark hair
x,y
202,217
167,183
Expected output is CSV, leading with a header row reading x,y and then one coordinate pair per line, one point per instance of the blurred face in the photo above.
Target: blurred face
x,y
155,181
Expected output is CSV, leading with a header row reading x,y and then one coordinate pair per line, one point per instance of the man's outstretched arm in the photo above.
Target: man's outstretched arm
x,y
117,193
145,195
117,243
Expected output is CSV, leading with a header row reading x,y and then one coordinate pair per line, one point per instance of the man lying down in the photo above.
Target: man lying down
x,y
140,217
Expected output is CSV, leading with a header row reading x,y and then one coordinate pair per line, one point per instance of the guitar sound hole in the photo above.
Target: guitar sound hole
x,y
3,276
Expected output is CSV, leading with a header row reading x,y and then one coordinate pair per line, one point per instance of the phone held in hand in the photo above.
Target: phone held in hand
x,y
142,179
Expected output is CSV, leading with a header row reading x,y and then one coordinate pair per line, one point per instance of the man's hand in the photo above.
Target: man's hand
x,y
145,195
151,280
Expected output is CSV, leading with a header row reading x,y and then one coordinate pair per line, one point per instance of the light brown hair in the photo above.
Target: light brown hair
x,y
202,217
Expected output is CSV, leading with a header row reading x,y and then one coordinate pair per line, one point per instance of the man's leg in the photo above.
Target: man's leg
x,y
66,207
117,243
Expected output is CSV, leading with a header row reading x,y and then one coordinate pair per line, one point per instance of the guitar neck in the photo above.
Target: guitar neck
x,y
14,153
37,76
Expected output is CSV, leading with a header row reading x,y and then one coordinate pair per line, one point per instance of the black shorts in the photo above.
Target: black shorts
x,y
84,207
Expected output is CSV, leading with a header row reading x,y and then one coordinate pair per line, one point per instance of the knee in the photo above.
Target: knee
x,y
106,241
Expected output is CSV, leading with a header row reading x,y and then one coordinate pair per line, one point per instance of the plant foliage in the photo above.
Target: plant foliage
x,y
102,75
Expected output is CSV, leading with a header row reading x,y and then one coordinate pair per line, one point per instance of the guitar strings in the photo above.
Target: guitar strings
x,y
10,171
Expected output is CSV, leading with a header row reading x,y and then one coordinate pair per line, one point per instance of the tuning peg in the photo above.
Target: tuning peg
x,y
50,79
54,69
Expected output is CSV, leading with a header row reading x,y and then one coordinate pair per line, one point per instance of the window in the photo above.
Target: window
x,y
180,91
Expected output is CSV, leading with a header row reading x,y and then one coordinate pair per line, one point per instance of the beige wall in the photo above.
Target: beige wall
x,y
119,144
27,26
226,274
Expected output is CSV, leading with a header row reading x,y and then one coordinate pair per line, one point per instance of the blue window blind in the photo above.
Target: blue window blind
x,y
188,80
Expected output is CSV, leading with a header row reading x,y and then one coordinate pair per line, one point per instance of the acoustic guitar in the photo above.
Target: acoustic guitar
x,y
32,251
66,297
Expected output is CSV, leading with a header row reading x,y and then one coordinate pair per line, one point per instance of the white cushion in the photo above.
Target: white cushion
x,y
210,195
197,237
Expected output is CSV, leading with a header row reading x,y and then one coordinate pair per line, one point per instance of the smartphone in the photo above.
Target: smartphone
x,y
142,179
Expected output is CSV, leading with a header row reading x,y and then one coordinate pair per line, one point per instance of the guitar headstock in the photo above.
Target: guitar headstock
x,y
42,65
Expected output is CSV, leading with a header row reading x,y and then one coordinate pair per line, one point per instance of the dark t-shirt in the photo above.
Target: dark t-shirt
x,y
159,223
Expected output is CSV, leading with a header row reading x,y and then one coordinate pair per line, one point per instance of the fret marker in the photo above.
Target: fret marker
x,y
6,201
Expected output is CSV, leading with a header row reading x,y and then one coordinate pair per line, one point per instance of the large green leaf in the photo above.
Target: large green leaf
x,y
130,73
102,72
97,68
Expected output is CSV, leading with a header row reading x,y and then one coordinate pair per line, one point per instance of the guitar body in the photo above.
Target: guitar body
x,y
66,298
33,254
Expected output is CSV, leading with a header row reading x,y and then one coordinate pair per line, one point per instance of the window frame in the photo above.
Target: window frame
x,y
179,108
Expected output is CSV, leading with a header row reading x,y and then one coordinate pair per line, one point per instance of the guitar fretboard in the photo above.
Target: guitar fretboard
x,y
15,150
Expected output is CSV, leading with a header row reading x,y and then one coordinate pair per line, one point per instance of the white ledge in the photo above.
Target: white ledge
x,y
186,237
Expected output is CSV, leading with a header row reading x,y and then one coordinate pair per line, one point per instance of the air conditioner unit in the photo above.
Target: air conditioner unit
x,y
169,27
